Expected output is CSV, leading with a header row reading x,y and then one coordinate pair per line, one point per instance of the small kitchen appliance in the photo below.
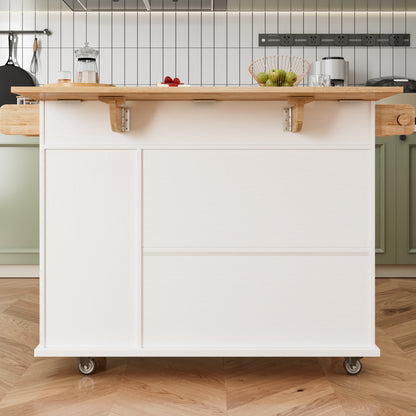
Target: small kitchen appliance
x,y
336,67
409,85
87,71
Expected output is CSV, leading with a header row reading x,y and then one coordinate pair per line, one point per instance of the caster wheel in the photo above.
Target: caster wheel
x,y
86,366
353,366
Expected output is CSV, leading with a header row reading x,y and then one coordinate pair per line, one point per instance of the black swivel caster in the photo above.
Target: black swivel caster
x,y
86,366
352,365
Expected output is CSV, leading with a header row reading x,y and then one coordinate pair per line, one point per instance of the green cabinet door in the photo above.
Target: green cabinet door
x,y
385,161
406,200
19,200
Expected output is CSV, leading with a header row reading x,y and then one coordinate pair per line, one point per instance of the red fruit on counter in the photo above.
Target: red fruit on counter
x,y
176,81
168,80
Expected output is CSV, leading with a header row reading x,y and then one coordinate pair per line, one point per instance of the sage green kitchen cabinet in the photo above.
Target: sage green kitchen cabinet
x,y
406,200
19,200
396,200
385,162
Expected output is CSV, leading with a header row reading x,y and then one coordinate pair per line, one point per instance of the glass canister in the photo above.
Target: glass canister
x,y
87,70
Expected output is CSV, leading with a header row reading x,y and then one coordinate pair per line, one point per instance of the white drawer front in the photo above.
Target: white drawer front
x,y
219,123
236,301
256,198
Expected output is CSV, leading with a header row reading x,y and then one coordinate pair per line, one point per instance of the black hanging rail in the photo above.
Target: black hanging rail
x,y
46,32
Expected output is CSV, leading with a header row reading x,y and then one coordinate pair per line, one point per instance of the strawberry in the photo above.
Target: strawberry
x,y
176,81
168,80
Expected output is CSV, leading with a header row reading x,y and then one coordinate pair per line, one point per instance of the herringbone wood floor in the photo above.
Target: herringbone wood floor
x,y
213,386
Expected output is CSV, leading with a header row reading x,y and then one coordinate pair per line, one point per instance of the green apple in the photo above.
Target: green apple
x,y
287,84
291,78
273,75
270,83
281,76
262,77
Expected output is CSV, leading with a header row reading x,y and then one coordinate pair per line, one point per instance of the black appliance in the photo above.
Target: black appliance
x,y
409,85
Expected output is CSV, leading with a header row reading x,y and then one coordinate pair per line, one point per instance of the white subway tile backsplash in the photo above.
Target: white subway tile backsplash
x,y
348,22
220,27
195,33
233,67
105,66
221,75
80,29
182,30
143,66
195,67
169,64
386,67
399,61
207,66
143,28
118,29
207,30
361,60
246,30
169,30
182,65
204,48
373,60
156,29
410,63
233,30
156,64
92,29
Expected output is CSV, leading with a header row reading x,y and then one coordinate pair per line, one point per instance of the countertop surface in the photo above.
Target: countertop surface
x,y
92,93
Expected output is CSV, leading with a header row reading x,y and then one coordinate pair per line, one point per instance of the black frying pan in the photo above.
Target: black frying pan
x,y
12,76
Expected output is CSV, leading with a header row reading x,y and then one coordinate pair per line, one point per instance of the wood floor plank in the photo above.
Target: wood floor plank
x,y
208,386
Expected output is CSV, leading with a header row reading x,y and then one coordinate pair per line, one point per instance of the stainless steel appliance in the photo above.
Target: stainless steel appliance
x,y
336,67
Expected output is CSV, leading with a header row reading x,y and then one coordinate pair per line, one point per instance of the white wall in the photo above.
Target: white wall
x,y
201,48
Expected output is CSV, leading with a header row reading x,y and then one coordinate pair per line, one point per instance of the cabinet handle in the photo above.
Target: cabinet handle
x,y
403,137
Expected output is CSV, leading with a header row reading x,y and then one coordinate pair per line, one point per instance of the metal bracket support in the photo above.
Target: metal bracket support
x,y
293,113
119,114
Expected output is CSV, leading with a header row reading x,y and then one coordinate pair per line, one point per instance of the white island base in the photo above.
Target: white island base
x,y
207,231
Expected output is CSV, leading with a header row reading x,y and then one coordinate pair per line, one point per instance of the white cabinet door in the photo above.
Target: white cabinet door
x,y
92,258
256,199
256,302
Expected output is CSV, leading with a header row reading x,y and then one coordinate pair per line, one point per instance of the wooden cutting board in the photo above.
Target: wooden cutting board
x,y
19,119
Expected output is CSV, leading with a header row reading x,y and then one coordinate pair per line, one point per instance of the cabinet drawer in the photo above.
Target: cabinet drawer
x,y
220,123
237,301
256,198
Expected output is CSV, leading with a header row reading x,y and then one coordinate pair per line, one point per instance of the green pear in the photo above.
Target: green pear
x,y
291,78
281,76
273,75
270,83
262,77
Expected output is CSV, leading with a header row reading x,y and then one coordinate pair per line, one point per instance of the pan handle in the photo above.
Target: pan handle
x,y
11,42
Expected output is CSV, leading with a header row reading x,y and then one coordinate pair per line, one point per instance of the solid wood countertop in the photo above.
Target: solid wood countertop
x,y
88,93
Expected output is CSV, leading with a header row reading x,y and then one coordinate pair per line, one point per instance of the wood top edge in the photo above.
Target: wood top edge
x,y
219,93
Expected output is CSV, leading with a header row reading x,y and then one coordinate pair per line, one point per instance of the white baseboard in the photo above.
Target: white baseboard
x,y
19,270
382,270
396,270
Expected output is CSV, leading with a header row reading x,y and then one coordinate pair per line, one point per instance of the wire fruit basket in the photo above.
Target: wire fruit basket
x,y
288,63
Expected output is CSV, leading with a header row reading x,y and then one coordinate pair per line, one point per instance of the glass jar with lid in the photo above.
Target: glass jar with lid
x,y
87,70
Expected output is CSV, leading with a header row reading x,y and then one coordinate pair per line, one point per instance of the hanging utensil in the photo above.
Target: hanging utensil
x,y
12,76
34,62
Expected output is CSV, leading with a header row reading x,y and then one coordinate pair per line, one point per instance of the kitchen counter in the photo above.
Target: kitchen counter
x,y
57,92
296,99
205,229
